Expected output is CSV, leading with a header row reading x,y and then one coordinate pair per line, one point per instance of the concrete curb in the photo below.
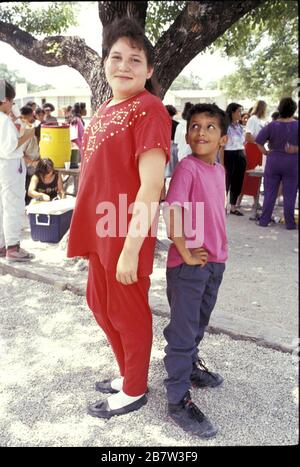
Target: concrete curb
x,y
227,329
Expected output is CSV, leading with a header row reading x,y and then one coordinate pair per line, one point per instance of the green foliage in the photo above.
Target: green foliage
x,y
13,77
160,15
276,18
186,82
264,43
268,60
50,18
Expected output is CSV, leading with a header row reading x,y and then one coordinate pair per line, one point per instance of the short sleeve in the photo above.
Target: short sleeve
x,y
251,126
180,186
263,135
153,131
8,137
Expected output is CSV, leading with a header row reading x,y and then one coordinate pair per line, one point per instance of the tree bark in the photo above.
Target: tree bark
x,y
196,27
54,50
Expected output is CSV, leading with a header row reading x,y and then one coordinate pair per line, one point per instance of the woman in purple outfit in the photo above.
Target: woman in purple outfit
x,y
282,162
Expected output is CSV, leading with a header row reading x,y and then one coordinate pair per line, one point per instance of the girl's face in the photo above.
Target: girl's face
x,y
236,116
126,69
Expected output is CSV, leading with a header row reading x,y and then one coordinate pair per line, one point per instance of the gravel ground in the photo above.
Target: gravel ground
x,y
52,351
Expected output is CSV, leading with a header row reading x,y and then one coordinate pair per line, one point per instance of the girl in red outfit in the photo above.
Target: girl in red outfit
x,y
125,150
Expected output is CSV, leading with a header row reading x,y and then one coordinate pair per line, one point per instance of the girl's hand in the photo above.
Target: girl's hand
x,y
45,197
198,256
127,268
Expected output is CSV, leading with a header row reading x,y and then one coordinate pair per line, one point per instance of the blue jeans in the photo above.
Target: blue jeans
x,y
192,294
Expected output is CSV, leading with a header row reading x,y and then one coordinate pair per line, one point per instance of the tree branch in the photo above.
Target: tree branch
x,y
195,28
108,11
53,51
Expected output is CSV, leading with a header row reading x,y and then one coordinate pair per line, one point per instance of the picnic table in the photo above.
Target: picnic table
x,y
256,173
66,174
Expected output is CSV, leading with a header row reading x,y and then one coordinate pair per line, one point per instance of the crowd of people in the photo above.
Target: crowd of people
x,y
130,146
35,177
244,151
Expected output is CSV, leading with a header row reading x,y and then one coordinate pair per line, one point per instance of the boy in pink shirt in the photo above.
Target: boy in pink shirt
x,y
195,217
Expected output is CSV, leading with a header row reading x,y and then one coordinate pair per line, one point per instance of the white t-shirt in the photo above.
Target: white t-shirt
x,y
9,139
179,138
254,125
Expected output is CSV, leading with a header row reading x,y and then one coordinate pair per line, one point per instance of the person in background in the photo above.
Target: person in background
x,y
33,105
233,156
31,148
254,156
183,148
275,115
39,119
46,183
282,162
244,118
67,113
76,127
170,167
12,179
83,111
49,119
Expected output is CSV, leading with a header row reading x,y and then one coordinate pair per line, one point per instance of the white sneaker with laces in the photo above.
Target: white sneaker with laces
x,y
18,254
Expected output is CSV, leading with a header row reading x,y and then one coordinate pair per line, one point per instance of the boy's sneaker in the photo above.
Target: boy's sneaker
x,y
2,252
189,417
16,253
201,377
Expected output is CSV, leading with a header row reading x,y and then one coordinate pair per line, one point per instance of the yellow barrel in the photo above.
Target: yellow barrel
x,y
55,143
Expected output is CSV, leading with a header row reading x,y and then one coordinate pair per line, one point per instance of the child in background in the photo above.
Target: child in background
x,y
31,148
46,183
194,267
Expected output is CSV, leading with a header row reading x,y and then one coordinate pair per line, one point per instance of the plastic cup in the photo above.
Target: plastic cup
x,y
67,165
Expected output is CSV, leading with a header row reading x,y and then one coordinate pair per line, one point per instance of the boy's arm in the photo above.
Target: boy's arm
x,y
193,257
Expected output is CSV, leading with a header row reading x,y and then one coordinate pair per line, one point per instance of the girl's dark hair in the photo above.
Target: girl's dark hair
x,y
75,113
131,29
39,111
44,166
213,111
231,108
7,91
171,109
275,115
185,112
287,107
26,110
48,104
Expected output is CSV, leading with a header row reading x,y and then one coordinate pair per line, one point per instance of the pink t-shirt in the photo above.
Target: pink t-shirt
x,y
200,189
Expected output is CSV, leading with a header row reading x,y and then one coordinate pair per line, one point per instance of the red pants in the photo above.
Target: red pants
x,y
123,312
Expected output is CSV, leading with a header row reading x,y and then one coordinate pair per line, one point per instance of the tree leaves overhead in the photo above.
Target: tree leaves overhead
x,y
51,18
274,18
160,15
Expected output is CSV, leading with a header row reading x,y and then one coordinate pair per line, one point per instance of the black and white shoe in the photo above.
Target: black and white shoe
x,y
105,387
101,409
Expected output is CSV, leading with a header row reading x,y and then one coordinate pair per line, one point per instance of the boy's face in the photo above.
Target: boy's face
x,y
204,136
27,118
